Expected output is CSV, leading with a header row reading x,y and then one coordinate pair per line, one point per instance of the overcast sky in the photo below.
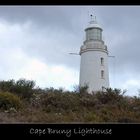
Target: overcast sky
x,y
35,42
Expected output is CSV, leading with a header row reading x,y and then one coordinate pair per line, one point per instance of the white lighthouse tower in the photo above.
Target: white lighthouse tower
x,y
94,59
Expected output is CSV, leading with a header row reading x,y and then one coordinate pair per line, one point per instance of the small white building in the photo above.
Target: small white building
x,y
94,59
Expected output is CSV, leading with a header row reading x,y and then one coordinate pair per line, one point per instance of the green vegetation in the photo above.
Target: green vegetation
x,y
9,100
22,101
22,87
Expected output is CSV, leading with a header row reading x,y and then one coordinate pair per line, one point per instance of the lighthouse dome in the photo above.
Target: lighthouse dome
x,y
93,23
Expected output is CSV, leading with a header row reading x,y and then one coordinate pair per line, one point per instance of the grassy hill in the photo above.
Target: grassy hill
x,y
21,102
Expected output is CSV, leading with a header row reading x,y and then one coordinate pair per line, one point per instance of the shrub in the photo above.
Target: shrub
x,y
22,87
110,96
88,100
60,102
9,100
7,85
81,89
135,104
84,89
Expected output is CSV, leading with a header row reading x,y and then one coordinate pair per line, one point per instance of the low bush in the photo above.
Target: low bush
x,y
59,102
9,100
23,88
110,96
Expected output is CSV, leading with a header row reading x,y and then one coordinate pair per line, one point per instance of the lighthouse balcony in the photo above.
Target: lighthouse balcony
x,y
82,50
93,41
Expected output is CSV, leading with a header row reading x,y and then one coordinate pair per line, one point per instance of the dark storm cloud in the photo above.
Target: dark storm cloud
x,y
20,14
60,17
121,30
60,22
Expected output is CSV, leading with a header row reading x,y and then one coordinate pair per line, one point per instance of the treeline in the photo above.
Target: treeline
x,y
23,101
22,87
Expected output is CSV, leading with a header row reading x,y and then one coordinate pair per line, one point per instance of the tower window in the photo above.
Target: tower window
x,y
102,73
94,34
102,61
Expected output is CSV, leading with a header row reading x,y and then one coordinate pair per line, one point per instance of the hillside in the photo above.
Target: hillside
x,y
21,102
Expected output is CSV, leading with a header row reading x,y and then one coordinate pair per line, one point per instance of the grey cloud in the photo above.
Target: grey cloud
x,y
55,21
57,30
42,16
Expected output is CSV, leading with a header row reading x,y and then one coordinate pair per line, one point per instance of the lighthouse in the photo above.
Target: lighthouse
x,y
94,59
